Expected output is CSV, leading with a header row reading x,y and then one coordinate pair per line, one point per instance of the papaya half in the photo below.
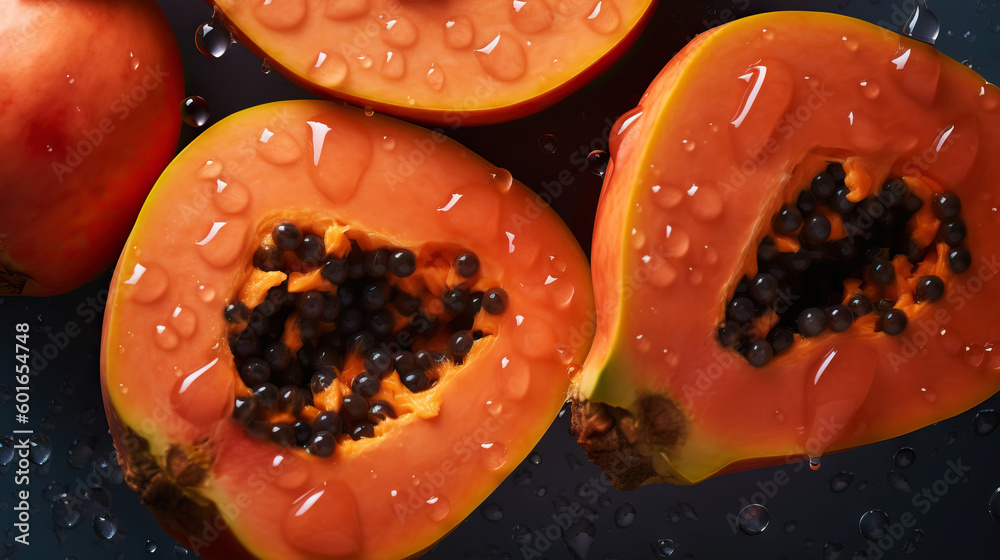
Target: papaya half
x,y
452,63
88,119
796,252
332,335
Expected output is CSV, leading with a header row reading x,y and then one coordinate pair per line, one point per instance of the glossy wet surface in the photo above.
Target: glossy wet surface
x,y
555,505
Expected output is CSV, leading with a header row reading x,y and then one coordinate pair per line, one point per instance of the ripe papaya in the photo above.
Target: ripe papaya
x,y
327,328
90,118
452,63
795,253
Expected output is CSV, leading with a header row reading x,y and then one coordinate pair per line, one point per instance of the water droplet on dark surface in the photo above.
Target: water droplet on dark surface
x,y
625,516
841,481
40,449
195,111
873,524
212,38
899,482
54,490
6,451
663,547
548,144
535,458
905,457
81,451
985,422
180,551
492,512
150,546
597,162
106,525
922,24
65,513
995,505
753,519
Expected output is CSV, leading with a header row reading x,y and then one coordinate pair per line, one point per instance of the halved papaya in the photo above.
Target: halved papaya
x,y
453,63
795,252
89,118
329,328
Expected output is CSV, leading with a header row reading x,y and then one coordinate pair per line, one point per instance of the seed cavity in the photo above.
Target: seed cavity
x,y
829,261
328,364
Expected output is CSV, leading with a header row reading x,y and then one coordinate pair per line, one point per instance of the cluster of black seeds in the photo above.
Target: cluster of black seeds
x,y
358,321
805,288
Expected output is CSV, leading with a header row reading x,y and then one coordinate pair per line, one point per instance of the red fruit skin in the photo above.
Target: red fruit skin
x,y
89,117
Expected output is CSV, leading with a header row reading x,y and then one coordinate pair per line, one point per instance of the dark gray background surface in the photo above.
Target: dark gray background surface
x,y
807,519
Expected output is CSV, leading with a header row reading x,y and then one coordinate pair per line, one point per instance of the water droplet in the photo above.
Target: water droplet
x,y
65,513
625,516
790,526
369,111
329,70
494,454
212,38
200,396
194,111
435,77
150,546
399,32
439,508
81,451
897,481
304,522
346,9
928,394
604,17
753,519
975,354
458,32
39,449
492,512
280,14
905,457
922,24
516,377
597,162
541,491
54,490
870,89
706,203
970,37
873,524
265,67
531,16
995,505
393,65
994,26
535,458
106,525
494,407
985,422
663,547
502,180
180,551
388,143
851,44
841,481
503,57
548,144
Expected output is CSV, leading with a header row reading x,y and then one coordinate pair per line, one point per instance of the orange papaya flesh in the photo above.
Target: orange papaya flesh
x,y
447,63
215,276
710,185
89,119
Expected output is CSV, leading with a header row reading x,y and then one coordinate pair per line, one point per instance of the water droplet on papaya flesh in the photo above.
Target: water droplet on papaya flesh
x,y
829,241
346,320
